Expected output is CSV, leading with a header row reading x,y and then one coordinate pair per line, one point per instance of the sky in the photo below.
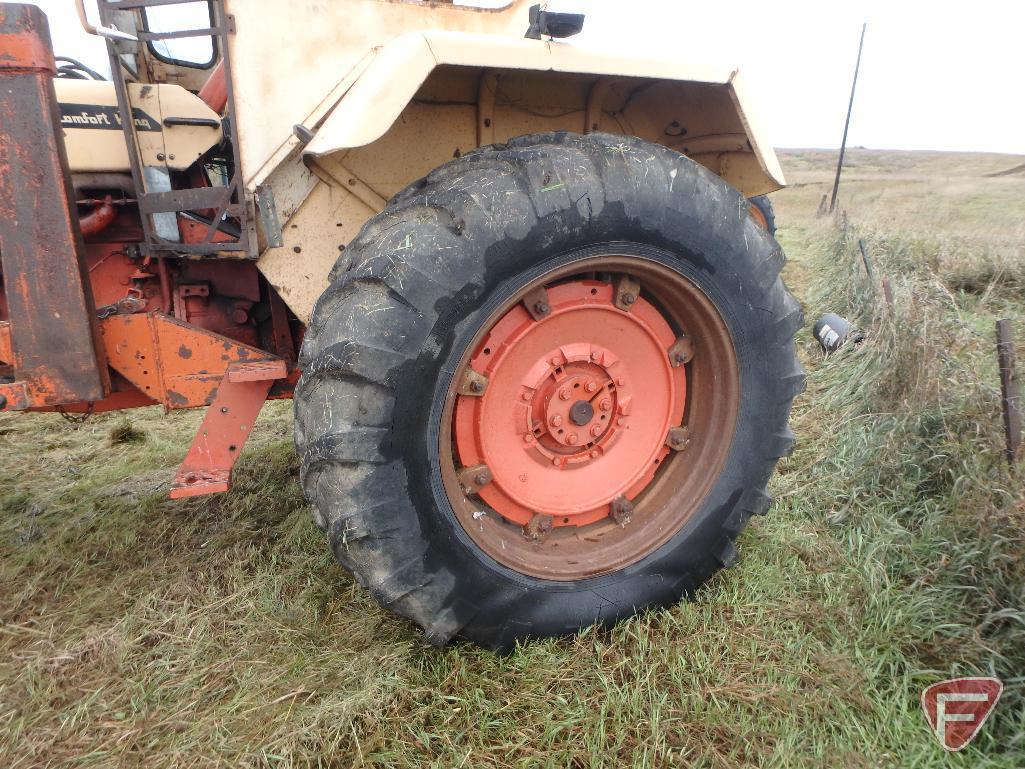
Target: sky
x,y
939,75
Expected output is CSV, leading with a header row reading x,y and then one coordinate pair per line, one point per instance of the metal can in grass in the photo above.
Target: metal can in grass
x,y
832,331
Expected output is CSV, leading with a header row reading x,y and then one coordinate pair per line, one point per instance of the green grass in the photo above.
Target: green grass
x,y
218,631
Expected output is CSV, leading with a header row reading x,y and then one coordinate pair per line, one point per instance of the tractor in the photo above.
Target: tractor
x,y
540,351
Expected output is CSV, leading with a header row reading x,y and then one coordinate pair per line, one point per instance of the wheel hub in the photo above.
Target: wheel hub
x,y
556,424
573,409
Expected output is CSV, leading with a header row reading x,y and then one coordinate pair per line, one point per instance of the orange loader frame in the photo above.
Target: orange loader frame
x,y
57,352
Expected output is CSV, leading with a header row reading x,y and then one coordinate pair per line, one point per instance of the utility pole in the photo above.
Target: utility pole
x,y
847,123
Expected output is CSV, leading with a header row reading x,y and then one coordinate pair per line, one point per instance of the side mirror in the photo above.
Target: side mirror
x,y
553,24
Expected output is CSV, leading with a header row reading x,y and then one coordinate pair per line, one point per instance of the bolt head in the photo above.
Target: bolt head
x,y
596,430
480,479
477,386
528,438
525,396
595,454
606,404
591,387
541,308
627,299
564,394
595,355
572,439
555,361
556,420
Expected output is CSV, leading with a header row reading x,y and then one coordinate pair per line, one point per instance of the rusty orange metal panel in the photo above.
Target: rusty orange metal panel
x,y
13,396
53,326
177,364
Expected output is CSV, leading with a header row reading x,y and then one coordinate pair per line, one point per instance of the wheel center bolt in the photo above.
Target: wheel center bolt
x,y
581,413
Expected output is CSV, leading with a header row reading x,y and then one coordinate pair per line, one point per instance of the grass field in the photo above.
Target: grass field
x,y
219,632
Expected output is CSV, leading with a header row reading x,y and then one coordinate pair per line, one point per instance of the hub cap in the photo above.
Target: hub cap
x,y
577,406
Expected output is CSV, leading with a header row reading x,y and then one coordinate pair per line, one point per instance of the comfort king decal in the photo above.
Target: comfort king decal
x,y
103,116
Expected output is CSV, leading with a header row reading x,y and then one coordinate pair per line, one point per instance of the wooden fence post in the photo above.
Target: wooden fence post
x,y
1009,390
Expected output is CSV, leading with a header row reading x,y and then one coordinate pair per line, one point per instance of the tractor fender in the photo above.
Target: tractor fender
x,y
713,97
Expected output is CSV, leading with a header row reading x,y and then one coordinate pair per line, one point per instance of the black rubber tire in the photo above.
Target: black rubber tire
x,y
763,204
413,288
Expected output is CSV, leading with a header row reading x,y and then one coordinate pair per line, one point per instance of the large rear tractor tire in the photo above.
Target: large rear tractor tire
x,y
763,213
546,388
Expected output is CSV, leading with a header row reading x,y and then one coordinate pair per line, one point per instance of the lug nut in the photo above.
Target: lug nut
x,y
621,510
564,394
591,387
556,420
572,439
596,430
538,527
606,404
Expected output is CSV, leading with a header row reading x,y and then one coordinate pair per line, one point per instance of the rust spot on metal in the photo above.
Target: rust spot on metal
x,y
184,352
627,290
472,478
538,527
177,399
621,510
472,383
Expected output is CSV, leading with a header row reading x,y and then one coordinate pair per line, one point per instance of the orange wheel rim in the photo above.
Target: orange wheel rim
x,y
578,405
582,431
